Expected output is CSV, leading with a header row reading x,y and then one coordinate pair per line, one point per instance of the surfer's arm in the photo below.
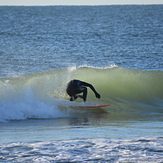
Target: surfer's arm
x,y
91,87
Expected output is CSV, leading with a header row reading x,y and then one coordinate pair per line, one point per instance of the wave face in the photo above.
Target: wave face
x,y
42,94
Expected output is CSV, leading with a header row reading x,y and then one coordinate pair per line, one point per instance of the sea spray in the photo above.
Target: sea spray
x,y
26,106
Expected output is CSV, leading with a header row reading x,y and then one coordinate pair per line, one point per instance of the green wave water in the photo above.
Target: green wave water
x,y
131,92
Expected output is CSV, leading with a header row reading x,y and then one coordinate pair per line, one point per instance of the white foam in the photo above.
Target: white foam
x,y
86,150
26,105
74,67
107,67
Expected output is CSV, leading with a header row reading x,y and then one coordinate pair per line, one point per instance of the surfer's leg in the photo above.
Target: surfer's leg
x,y
73,93
84,94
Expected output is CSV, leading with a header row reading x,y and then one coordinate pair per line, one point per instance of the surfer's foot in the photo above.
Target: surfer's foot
x,y
73,98
80,96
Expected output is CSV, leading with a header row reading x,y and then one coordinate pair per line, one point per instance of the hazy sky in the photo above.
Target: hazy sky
x,y
77,2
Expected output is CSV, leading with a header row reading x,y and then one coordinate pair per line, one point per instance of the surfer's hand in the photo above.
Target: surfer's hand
x,y
98,95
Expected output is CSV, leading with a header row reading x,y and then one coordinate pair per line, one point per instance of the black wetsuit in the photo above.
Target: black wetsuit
x,y
75,87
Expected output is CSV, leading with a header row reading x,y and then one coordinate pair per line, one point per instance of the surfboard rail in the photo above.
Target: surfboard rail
x,y
89,106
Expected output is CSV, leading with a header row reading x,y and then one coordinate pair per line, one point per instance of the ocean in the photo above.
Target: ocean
x,y
117,48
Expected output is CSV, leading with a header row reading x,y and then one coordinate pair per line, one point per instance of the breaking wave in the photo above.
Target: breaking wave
x,y
42,94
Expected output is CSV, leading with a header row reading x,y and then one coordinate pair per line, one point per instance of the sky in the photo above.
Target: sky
x,y
76,2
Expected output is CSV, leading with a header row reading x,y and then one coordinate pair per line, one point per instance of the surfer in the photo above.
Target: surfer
x,y
75,87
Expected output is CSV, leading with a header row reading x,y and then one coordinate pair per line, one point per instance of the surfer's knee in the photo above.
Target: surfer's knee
x,y
84,89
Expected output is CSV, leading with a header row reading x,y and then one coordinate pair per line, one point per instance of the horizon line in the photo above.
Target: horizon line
x,y
80,4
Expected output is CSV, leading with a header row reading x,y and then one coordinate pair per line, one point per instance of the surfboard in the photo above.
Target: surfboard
x,y
90,106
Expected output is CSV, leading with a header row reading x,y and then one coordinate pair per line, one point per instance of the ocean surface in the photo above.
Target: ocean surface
x,y
118,49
